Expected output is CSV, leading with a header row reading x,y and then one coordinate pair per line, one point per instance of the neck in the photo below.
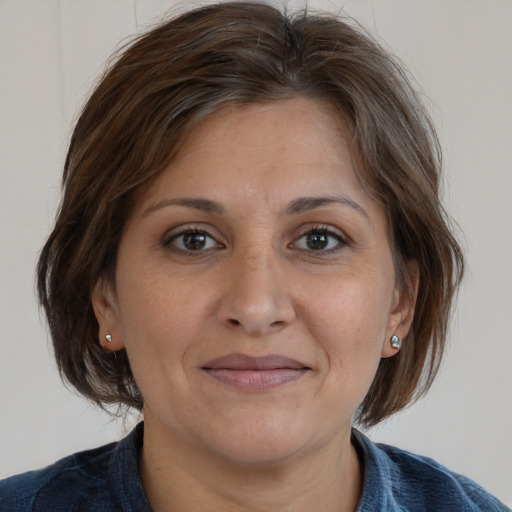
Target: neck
x,y
178,478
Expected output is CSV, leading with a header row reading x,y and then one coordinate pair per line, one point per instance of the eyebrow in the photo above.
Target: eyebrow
x,y
295,207
305,204
196,203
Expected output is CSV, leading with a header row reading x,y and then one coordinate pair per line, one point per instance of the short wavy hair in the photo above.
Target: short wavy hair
x,y
175,75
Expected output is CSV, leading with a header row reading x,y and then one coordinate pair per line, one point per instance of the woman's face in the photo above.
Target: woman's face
x,y
255,289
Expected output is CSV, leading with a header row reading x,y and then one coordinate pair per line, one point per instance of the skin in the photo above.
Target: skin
x,y
309,280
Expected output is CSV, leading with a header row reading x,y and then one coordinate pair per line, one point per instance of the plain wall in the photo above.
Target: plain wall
x,y
51,51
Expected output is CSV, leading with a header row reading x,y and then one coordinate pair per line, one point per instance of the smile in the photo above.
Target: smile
x,y
254,374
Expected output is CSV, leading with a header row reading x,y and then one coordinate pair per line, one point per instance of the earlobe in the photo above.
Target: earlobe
x,y
104,306
402,313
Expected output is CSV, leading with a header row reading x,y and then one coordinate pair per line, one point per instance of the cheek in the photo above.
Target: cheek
x,y
348,322
160,330
352,303
350,319
159,318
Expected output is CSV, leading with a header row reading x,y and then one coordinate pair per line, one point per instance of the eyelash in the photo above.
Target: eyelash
x,y
325,231
170,239
173,237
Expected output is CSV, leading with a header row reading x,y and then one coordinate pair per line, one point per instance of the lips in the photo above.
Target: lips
x,y
248,373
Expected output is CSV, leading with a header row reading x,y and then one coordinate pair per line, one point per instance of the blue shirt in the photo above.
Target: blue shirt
x,y
107,479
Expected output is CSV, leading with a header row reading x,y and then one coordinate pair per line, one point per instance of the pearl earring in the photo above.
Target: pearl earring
x,y
396,342
108,337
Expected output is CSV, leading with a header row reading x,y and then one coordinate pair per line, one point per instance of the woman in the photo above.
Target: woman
x,y
251,251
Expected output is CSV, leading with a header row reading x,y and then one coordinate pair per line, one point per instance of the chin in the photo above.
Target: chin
x,y
260,453
265,442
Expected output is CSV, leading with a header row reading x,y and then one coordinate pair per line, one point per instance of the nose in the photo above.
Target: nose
x,y
256,297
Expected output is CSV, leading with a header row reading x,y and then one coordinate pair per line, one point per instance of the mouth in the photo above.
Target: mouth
x,y
247,373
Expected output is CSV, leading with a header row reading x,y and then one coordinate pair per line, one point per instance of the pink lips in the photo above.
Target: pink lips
x,y
248,373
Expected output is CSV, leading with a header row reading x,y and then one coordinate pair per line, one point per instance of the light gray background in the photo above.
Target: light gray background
x,y
51,51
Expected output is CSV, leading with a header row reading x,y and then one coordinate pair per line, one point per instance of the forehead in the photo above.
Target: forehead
x,y
294,144
297,120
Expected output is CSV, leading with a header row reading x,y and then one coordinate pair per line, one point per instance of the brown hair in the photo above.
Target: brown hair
x,y
178,73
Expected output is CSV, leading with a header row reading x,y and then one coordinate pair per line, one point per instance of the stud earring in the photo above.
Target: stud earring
x,y
396,342
108,337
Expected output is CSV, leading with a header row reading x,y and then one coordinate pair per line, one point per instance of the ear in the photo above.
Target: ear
x,y
106,312
402,309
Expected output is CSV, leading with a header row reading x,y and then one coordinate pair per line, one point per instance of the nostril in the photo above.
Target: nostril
x,y
232,321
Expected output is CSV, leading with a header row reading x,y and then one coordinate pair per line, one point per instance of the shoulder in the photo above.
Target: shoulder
x,y
405,481
65,484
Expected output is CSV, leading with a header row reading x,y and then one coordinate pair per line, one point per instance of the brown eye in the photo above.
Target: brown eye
x,y
317,241
320,240
192,241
